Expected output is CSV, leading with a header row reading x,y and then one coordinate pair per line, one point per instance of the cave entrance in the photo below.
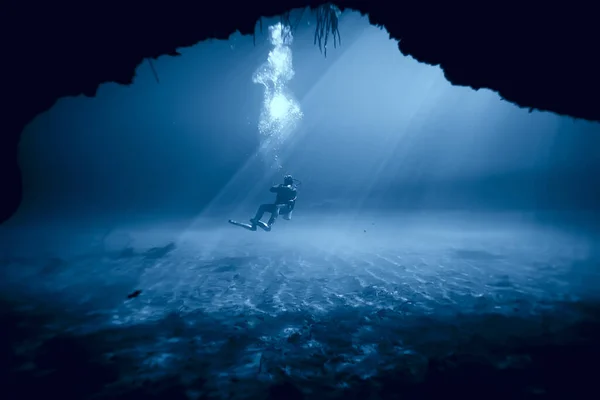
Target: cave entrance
x,y
371,129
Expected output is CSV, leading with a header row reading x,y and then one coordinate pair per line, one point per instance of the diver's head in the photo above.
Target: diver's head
x,y
288,180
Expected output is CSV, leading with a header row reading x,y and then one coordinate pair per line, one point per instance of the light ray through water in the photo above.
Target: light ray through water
x,y
269,150
280,112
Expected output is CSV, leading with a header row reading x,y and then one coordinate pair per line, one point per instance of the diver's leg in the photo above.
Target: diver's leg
x,y
261,211
274,215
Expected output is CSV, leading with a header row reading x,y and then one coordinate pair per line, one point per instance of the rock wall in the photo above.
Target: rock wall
x,y
536,57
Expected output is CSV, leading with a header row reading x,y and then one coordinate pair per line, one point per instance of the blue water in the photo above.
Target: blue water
x,y
228,313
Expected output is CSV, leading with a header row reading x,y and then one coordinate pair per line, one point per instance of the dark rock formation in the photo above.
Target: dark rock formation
x,y
539,57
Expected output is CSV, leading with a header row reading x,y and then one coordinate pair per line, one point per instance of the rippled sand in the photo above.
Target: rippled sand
x,y
228,313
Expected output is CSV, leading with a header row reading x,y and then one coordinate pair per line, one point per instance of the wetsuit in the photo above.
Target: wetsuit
x,y
284,204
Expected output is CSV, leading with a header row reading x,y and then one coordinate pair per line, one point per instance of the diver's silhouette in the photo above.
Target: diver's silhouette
x,y
283,205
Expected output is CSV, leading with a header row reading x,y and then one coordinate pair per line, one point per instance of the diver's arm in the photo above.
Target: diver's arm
x,y
274,189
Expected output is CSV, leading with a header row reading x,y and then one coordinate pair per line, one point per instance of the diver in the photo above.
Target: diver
x,y
285,201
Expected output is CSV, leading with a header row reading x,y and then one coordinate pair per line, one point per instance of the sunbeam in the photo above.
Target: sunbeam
x,y
268,154
280,112
426,218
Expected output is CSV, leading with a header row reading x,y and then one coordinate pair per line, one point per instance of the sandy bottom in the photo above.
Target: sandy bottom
x,y
364,308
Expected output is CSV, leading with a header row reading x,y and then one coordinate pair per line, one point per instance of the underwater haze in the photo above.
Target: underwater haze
x,y
378,131
443,240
